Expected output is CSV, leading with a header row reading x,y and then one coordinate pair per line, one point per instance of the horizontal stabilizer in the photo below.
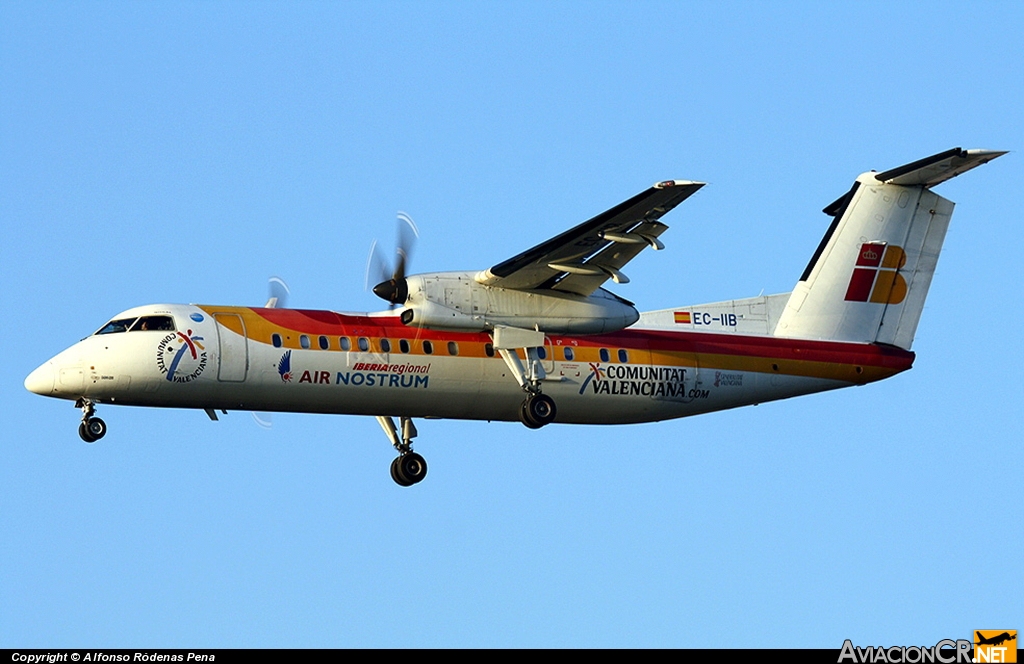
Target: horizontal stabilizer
x,y
938,168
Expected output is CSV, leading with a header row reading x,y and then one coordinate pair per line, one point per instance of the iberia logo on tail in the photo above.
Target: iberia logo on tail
x,y
876,277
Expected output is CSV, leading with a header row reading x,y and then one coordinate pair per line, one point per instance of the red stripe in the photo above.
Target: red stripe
x,y
838,352
312,321
677,341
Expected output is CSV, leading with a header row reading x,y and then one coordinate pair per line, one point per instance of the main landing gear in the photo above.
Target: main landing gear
x,y
537,409
92,428
408,468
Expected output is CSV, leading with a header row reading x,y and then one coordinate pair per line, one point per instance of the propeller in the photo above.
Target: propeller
x,y
279,293
376,267
392,285
277,299
263,420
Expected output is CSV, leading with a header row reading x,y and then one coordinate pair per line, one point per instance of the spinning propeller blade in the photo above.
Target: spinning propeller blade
x,y
279,293
278,299
264,420
376,267
394,289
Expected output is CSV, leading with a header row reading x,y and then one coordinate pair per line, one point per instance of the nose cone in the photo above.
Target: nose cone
x,y
40,381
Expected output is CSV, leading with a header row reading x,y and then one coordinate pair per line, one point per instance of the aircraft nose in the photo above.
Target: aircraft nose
x,y
40,381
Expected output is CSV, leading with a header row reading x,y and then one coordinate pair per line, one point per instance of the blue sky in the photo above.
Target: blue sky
x,y
158,152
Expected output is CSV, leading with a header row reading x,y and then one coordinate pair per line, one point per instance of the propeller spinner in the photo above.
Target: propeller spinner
x,y
393,288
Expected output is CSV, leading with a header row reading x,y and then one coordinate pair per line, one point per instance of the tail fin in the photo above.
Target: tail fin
x,y
870,275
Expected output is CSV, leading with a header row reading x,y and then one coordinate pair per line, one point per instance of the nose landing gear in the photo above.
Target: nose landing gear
x,y
408,468
92,428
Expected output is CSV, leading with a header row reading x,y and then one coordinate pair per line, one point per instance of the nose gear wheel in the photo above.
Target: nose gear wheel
x,y
91,428
407,468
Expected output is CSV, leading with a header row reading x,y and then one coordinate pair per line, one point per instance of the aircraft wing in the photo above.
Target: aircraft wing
x,y
582,258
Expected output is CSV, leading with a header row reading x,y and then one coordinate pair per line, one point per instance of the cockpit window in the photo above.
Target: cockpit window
x,y
115,326
163,323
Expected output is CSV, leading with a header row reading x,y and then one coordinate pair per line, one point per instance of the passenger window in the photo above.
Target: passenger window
x,y
489,349
324,343
542,353
605,357
428,348
385,346
453,348
403,345
364,344
304,341
623,356
150,323
567,352
275,339
115,326
345,343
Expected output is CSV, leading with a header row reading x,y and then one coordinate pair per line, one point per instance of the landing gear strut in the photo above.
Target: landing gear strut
x,y
408,468
537,409
92,428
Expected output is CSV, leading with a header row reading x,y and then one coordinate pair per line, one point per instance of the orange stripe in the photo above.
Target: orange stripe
x,y
850,362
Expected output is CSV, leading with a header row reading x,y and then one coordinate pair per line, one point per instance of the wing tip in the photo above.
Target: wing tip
x,y
665,184
991,154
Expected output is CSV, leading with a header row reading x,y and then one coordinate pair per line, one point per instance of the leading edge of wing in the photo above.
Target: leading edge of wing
x,y
531,269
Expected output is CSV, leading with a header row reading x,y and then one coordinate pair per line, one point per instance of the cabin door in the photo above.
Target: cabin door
x,y
232,348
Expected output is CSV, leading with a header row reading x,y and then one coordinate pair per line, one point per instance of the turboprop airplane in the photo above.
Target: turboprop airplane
x,y
536,338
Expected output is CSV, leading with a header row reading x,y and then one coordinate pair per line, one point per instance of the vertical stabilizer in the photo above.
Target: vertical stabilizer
x,y
870,275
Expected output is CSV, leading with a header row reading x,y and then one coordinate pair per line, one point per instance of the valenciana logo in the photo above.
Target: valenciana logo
x,y
637,380
181,363
595,373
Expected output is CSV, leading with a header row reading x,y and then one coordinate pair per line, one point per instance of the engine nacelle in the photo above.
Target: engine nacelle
x,y
456,301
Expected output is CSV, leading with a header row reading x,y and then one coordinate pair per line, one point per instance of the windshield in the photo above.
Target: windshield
x,y
163,323
115,326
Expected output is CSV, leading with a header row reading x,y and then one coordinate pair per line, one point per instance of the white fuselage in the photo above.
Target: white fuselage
x,y
238,358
